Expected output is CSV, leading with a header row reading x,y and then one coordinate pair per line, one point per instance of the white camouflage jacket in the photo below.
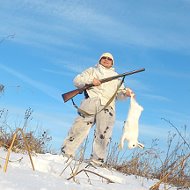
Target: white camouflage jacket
x,y
106,90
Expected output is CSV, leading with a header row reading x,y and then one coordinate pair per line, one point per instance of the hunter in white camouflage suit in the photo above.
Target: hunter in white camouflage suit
x,y
98,108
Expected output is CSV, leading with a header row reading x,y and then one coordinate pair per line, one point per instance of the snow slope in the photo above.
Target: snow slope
x,y
20,176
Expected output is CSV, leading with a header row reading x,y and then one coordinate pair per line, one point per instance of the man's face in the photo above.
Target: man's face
x,y
107,62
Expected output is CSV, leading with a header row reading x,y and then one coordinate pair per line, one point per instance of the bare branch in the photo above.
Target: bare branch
x,y
177,132
89,171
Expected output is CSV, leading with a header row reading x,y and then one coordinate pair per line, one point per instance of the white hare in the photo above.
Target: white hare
x,y
130,129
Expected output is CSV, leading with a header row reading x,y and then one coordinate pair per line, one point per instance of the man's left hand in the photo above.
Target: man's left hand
x,y
129,92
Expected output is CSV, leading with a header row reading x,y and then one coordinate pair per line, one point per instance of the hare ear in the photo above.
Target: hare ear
x,y
120,146
140,145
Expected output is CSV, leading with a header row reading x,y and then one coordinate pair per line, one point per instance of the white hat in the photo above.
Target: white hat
x,y
107,55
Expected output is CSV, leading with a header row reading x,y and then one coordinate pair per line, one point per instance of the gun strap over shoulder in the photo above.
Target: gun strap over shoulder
x,y
106,105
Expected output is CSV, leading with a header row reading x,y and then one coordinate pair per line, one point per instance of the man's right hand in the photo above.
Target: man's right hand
x,y
96,82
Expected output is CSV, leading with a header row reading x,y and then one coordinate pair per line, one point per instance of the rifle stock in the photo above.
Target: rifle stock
x,y
69,95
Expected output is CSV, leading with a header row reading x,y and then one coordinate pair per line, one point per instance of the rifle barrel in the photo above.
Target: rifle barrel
x,y
67,96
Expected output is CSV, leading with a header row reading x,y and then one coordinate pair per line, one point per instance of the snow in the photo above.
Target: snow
x,y
48,167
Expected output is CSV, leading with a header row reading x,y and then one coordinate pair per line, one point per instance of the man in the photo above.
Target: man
x,y
98,108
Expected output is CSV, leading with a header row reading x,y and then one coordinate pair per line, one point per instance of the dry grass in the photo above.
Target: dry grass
x,y
171,166
38,141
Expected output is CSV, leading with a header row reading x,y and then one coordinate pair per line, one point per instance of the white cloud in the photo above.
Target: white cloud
x,y
180,74
153,131
50,91
61,23
156,97
57,72
177,118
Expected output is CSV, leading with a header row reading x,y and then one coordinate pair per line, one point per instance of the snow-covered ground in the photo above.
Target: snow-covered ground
x,y
20,176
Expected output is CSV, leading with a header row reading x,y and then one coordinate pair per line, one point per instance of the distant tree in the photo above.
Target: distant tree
x,y
2,87
10,36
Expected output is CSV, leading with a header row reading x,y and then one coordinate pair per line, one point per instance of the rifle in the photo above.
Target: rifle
x,y
69,95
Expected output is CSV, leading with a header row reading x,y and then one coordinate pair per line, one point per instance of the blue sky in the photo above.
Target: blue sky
x,y
45,44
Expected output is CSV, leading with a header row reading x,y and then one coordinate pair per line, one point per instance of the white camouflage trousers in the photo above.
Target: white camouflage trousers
x,y
104,121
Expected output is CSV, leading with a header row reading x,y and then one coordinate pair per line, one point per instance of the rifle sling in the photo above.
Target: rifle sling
x,y
107,104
